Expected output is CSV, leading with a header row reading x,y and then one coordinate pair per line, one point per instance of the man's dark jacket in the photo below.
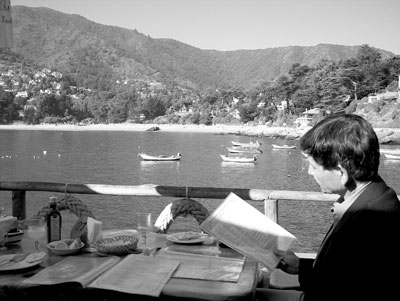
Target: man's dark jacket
x,y
359,258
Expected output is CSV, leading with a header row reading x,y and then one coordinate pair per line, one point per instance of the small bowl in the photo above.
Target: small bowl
x,y
62,252
14,237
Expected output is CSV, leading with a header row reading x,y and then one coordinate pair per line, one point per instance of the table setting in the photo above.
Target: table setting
x,y
183,264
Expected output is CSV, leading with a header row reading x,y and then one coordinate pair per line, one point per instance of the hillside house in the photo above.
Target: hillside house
x,y
56,74
184,111
385,95
9,73
235,113
235,100
39,75
261,104
22,94
47,91
282,106
307,117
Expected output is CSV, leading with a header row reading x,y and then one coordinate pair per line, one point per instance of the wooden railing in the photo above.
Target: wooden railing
x,y
270,197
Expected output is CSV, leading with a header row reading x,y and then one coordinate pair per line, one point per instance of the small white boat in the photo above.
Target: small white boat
x,y
392,157
146,157
250,144
248,150
239,159
391,151
285,146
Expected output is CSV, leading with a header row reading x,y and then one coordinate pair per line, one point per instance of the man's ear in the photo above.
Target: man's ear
x,y
344,175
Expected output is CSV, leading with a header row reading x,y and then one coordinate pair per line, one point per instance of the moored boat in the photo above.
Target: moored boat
x,y
239,159
250,144
392,157
147,157
285,146
153,129
248,150
391,151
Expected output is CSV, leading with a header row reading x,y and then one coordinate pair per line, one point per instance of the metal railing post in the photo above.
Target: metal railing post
x,y
19,204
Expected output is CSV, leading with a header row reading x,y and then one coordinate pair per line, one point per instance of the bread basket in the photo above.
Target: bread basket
x,y
117,245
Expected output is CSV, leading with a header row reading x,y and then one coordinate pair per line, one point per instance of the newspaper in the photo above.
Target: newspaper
x,y
248,231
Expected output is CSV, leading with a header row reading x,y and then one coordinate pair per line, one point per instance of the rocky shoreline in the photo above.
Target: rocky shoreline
x,y
390,136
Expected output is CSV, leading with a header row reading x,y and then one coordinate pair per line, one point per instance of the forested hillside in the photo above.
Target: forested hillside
x,y
96,55
67,69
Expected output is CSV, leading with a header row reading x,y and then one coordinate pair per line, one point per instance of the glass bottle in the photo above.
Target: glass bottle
x,y
53,221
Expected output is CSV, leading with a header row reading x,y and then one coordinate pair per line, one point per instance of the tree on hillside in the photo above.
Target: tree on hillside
x,y
389,73
247,111
8,109
368,56
47,105
369,60
118,112
285,87
99,105
79,108
151,107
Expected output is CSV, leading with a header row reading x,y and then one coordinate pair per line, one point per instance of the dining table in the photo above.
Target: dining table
x,y
192,256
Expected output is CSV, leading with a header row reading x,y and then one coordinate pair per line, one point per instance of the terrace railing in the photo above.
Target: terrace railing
x,y
269,197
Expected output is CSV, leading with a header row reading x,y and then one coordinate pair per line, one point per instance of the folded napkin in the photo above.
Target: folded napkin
x,y
6,224
95,231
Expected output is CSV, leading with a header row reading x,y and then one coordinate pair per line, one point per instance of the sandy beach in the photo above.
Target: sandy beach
x,y
123,127
385,135
260,130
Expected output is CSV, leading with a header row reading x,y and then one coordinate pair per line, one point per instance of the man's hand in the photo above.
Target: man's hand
x,y
289,261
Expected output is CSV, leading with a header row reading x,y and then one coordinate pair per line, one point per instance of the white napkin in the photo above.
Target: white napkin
x,y
95,231
6,224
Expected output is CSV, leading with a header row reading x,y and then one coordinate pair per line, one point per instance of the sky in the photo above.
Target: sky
x,y
246,24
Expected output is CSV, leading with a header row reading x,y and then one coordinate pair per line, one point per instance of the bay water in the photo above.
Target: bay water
x,y
111,157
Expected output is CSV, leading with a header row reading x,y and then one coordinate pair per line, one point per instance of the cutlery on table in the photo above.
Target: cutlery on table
x,y
16,258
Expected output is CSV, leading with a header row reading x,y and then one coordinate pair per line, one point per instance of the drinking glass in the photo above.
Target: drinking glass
x,y
143,226
36,230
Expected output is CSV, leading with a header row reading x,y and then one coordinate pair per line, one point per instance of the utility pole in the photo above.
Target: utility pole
x,y
353,82
355,88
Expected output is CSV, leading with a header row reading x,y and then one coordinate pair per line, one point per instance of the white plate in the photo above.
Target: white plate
x,y
179,238
14,266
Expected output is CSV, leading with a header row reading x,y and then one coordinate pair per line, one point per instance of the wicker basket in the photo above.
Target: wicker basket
x,y
117,245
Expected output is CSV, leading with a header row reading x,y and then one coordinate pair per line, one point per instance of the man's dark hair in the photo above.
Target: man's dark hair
x,y
346,139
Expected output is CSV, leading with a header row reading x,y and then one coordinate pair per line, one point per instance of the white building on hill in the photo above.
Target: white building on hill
x,y
307,117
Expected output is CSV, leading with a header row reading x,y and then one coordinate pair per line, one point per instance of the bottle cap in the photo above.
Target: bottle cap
x,y
53,200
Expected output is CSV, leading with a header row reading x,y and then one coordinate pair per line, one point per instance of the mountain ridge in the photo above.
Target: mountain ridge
x,y
75,45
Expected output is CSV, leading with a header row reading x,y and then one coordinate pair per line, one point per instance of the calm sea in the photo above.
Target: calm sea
x,y
110,157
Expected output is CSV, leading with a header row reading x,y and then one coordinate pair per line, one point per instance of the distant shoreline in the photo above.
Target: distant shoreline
x,y
258,130
385,135
135,127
